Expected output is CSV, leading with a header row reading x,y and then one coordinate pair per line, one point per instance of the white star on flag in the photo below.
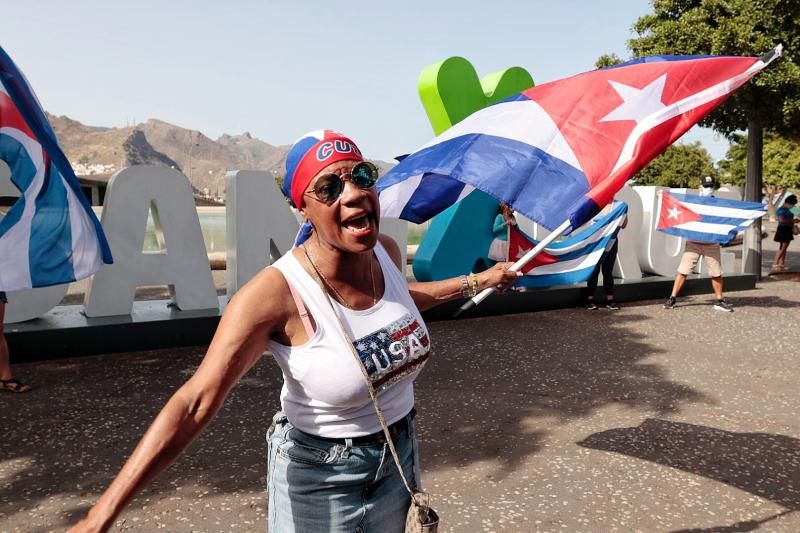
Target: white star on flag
x,y
674,212
637,104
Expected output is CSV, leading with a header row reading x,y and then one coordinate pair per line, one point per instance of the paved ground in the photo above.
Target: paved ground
x,y
637,420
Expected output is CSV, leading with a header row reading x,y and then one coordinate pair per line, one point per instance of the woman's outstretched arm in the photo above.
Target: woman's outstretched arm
x,y
249,320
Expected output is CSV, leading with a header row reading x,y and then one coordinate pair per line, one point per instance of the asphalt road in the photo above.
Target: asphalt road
x,y
642,419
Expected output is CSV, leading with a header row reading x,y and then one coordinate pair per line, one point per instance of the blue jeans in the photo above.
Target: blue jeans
x,y
318,486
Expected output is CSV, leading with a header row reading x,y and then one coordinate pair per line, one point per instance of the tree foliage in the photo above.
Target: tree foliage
x,y
607,60
738,28
681,165
781,158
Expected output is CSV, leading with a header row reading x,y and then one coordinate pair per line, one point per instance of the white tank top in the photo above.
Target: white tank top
x,y
323,389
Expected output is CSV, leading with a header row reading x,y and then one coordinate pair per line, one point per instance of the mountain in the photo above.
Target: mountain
x,y
103,151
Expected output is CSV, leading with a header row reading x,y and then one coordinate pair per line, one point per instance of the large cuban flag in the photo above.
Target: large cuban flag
x,y
705,219
50,235
561,150
571,260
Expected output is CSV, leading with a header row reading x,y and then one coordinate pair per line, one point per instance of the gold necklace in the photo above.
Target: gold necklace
x,y
328,284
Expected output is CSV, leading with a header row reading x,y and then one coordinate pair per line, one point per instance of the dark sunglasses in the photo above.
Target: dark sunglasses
x,y
330,186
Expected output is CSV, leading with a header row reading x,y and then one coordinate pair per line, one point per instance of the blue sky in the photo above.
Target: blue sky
x,y
279,68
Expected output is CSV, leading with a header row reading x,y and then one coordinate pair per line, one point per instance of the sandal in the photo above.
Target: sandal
x,y
14,385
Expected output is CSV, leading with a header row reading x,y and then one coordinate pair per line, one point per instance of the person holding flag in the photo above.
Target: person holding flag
x,y
503,222
339,295
606,266
694,250
558,152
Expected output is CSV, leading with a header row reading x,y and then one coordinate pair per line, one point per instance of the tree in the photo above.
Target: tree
x,y
781,166
681,165
771,100
607,60
738,28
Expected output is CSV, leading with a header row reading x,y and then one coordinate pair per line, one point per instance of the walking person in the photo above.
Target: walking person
x,y
711,254
327,455
784,234
8,382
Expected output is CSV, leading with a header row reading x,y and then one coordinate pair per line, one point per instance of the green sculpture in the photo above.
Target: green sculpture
x,y
458,239
451,91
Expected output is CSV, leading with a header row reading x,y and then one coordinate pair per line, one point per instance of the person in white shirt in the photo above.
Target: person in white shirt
x,y
327,465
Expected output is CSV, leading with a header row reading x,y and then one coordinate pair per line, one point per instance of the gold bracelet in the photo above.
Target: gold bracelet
x,y
474,283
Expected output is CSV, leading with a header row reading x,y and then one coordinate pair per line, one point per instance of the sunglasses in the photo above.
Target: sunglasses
x,y
329,187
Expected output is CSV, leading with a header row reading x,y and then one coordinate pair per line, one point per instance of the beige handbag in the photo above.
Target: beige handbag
x,y
421,518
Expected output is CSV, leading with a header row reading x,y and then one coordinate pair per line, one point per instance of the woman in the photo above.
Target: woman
x,y
498,250
325,447
783,234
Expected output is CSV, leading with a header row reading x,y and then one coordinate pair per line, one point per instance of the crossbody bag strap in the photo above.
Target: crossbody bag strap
x,y
372,394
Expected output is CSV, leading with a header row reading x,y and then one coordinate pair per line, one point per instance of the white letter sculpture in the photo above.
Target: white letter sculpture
x,y
182,261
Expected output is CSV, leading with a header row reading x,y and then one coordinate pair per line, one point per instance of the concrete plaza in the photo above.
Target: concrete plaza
x,y
642,419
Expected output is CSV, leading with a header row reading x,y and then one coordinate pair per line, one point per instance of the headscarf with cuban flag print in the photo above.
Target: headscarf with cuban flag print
x,y
311,153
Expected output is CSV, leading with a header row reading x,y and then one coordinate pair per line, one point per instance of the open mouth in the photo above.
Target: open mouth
x,y
358,226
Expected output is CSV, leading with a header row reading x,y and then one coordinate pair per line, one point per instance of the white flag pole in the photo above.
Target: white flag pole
x,y
516,267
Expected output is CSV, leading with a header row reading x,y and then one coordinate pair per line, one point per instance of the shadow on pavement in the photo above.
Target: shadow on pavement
x,y
72,433
706,300
497,385
766,465
494,389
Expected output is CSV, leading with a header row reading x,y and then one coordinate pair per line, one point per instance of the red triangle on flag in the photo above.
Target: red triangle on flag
x,y
518,244
674,213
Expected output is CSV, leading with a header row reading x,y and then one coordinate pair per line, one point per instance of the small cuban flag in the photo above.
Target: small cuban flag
x,y
705,219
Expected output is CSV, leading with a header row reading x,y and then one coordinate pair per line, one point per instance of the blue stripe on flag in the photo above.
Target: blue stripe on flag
x,y
658,59
701,236
551,280
22,172
19,161
540,186
715,201
440,193
573,254
728,221
50,249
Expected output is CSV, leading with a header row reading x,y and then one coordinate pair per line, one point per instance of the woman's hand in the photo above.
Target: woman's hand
x,y
499,277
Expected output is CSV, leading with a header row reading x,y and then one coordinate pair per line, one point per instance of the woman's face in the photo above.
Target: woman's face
x,y
350,223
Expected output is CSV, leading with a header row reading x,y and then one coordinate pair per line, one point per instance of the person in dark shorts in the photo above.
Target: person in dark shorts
x,y
7,381
784,233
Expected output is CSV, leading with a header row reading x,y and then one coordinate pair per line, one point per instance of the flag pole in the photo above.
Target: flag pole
x,y
516,267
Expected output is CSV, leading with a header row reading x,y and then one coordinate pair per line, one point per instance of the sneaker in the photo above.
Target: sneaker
x,y
591,306
612,305
670,303
722,305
